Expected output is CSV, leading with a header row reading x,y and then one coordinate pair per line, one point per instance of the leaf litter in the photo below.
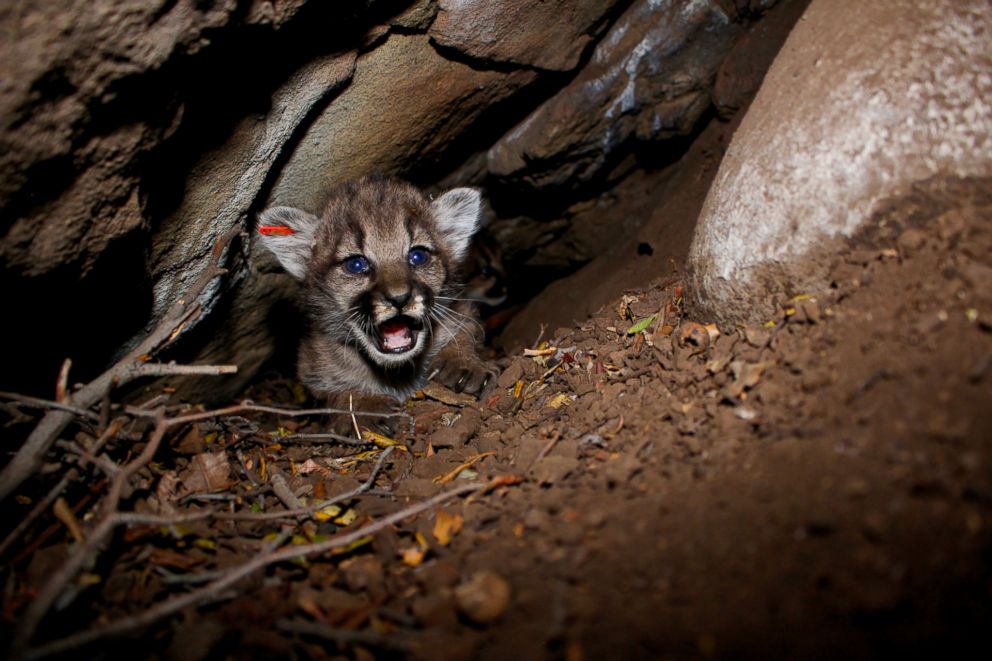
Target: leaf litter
x,y
621,496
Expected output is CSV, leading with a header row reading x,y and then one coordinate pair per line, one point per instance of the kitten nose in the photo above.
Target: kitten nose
x,y
399,300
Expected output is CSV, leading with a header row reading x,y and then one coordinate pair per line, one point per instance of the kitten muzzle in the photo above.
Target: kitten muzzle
x,y
398,335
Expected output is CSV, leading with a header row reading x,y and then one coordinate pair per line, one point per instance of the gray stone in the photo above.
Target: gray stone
x,y
520,31
417,17
405,106
50,86
648,79
68,186
863,100
222,187
226,181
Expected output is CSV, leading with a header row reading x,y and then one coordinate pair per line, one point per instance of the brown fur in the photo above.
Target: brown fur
x,y
382,220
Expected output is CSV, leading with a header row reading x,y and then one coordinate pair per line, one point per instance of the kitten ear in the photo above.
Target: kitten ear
x,y
292,247
457,216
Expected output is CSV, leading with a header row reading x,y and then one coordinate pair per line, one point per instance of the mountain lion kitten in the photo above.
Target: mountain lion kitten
x,y
379,268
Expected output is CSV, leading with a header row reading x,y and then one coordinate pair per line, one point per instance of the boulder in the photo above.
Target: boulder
x,y
649,79
81,99
517,31
406,106
863,100
89,94
226,182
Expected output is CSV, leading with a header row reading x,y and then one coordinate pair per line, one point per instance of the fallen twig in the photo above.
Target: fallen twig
x,y
38,509
215,589
170,369
468,463
318,437
38,403
55,584
249,406
111,519
281,488
112,430
31,454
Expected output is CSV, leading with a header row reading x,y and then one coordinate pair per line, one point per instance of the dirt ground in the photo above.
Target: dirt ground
x,y
817,486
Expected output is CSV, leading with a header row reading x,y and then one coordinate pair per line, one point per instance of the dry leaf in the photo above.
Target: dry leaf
x,y
347,518
502,481
209,471
327,513
446,526
167,489
623,309
547,351
414,555
468,463
444,395
192,442
65,514
311,466
380,440
695,334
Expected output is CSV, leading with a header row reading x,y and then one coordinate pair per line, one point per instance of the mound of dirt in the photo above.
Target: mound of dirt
x,y
816,485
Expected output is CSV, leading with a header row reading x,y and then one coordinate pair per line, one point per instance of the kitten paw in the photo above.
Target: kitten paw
x,y
471,376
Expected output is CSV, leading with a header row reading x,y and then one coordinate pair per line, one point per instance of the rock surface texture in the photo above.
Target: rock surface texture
x,y
403,109
649,79
511,32
134,134
863,100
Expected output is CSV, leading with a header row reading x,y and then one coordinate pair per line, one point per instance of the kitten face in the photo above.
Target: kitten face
x,y
378,269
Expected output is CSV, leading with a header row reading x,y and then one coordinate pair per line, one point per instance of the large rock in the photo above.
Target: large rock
x,y
649,79
405,107
89,93
73,119
227,181
864,99
222,187
518,31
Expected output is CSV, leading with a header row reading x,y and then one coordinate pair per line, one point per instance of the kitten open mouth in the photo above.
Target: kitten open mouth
x,y
398,335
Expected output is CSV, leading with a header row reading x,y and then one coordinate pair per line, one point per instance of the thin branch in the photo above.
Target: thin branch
x,y
249,406
306,511
55,584
112,430
38,403
32,453
39,509
84,456
282,490
169,369
128,518
316,438
215,589
111,518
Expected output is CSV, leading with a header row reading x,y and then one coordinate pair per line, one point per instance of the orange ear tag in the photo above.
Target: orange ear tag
x,y
275,230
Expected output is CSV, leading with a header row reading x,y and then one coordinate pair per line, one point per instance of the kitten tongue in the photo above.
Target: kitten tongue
x,y
396,335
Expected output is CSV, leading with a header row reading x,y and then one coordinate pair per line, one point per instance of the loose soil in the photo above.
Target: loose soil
x,y
816,486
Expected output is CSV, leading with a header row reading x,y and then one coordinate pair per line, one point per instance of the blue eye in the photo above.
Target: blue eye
x,y
418,256
356,264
